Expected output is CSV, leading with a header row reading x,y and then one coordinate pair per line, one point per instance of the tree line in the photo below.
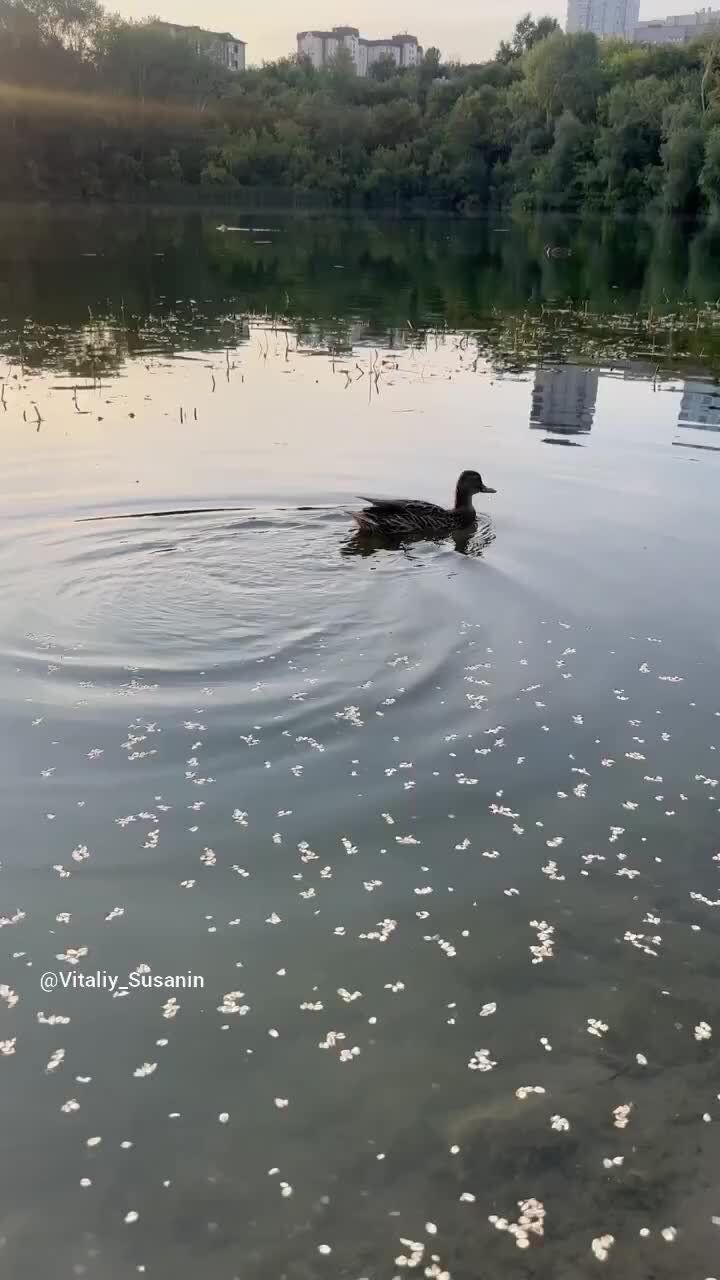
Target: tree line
x,y
94,107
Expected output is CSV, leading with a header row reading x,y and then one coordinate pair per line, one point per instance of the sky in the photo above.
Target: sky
x,y
466,30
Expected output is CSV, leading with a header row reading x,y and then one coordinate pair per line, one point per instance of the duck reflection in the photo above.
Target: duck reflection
x,y
467,542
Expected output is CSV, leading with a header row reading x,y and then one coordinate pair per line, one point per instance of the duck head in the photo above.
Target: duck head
x,y
469,483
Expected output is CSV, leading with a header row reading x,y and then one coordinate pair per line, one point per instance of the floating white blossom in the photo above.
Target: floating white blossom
x,y
544,949
231,1003
481,1061
73,955
601,1247
622,1115
531,1220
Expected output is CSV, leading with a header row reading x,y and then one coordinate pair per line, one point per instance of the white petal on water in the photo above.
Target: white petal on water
x,y
481,1061
622,1114
559,1123
601,1247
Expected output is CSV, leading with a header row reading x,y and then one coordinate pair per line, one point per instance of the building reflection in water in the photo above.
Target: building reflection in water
x,y
700,405
563,401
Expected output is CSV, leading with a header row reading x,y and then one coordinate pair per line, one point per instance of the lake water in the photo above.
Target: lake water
x,y
438,832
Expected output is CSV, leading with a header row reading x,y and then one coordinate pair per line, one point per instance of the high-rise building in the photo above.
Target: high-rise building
x,y
604,17
322,47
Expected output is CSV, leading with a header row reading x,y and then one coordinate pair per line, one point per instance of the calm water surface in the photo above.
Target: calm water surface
x,y
437,831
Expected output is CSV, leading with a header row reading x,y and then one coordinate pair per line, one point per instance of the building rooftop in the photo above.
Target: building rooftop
x,y
392,40
216,35
404,38
328,35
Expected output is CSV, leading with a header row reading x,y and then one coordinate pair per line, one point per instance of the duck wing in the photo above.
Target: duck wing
x,y
398,506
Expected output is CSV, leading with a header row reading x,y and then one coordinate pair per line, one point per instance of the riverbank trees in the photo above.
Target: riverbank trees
x,y
94,107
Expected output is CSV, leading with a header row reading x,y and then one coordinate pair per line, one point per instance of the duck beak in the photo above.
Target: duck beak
x,y
486,489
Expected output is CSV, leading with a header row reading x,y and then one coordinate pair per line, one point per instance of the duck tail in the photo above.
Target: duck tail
x,y
364,521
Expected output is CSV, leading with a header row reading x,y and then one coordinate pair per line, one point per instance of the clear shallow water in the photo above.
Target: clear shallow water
x,y
341,789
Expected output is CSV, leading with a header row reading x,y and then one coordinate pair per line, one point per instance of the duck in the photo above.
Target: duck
x,y
410,518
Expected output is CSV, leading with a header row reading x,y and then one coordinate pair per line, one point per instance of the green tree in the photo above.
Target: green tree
x,y
143,60
682,153
563,74
384,69
70,23
95,105
165,169
430,66
709,180
526,35
558,180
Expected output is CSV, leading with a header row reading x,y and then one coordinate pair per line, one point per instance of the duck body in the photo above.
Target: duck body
x,y
400,518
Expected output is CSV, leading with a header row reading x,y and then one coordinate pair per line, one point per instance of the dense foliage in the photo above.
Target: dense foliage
x,y
96,107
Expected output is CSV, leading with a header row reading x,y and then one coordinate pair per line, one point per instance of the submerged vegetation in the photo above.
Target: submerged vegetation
x,y
95,107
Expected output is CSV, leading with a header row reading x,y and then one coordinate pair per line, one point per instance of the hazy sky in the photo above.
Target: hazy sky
x,y
463,29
